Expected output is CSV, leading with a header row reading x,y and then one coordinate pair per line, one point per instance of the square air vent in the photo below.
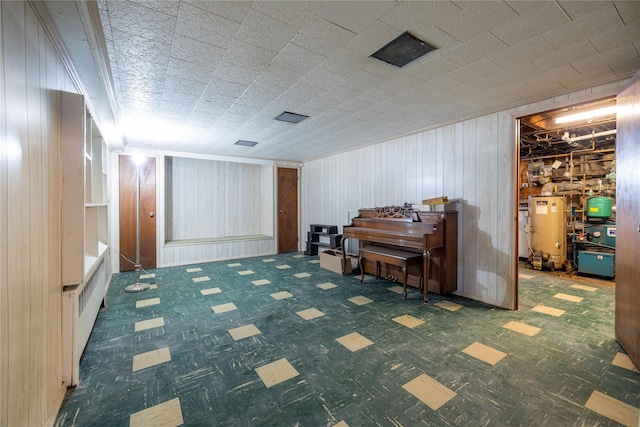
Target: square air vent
x,y
402,50
291,117
245,143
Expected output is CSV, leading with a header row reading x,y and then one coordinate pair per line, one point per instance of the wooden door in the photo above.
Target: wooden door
x,y
628,220
127,213
287,210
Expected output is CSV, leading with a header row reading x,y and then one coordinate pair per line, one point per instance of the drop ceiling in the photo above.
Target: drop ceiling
x,y
200,75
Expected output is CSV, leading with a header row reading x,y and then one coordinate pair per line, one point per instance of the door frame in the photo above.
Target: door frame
x,y
281,165
114,204
567,100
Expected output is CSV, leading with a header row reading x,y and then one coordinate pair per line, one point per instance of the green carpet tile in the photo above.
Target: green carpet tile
x,y
462,367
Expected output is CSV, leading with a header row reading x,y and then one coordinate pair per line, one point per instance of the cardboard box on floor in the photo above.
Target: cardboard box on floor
x,y
332,260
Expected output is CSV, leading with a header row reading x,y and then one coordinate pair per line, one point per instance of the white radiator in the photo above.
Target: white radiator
x,y
80,307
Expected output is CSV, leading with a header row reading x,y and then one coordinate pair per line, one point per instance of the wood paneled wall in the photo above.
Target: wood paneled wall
x,y
465,161
211,197
473,161
31,74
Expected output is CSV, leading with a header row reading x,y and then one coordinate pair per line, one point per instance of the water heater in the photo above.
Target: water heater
x,y
547,232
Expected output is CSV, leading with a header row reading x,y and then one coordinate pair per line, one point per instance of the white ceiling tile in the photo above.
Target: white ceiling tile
x,y
573,53
363,81
522,52
507,91
583,28
401,83
287,102
304,91
206,118
517,72
296,13
629,12
588,79
234,73
262,31
279,76
233,118
141,21
183,102
542,88
482,46
476,18
200,53
234,10
441,84
135,49
534,18
480,69
190,71
322,104
595,61
412,15
625,68
185,86
577,10
221,87
211,102
377,35
248,56
434,67
168,7
477,86
615,36
207,27
322,37
385,107
340,93
346,62
355,16
336,114
353,105
324,79
259,94
298,59
374,95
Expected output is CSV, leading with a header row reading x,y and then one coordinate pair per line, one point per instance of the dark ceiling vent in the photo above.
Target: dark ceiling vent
x,y
245,143
402,50
291,117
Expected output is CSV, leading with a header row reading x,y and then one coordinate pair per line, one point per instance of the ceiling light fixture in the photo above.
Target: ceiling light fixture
x,y
587,115
402,50
245,143
286,116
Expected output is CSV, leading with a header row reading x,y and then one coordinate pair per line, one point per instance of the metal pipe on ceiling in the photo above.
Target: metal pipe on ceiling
x,y
592,135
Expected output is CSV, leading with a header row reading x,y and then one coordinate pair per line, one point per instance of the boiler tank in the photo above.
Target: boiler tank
x,y
547,232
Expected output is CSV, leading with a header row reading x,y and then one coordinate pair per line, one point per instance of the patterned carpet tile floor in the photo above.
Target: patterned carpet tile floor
x,y
280,341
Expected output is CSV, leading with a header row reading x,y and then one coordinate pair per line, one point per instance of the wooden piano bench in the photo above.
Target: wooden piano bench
x,y
399,258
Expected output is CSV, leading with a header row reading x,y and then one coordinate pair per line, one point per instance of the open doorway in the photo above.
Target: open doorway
x,y
566,190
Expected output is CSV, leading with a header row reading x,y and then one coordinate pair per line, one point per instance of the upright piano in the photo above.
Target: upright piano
x,y
432,234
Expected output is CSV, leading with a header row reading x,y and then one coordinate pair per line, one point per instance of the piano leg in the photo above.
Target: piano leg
x,y
404,278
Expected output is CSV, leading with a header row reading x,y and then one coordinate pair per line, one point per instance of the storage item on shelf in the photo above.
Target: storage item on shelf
x,y
322,235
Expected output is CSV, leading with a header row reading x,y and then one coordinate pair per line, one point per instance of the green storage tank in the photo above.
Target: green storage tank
x,y
599,207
